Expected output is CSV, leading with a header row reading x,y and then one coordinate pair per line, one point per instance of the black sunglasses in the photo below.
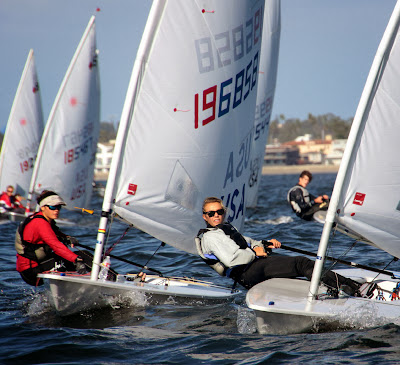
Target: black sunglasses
x,y
55,207
211,213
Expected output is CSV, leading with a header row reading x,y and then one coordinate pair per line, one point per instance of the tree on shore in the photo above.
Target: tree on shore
x,y
280,128
285,130
107,132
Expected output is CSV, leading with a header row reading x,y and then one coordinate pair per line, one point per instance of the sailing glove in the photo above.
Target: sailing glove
x,y
72,241
80,266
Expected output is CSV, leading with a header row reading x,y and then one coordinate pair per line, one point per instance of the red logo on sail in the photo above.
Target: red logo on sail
x,y
359,199
132,189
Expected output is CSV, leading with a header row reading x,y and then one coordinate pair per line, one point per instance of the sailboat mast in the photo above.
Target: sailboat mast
x,y
139,68
359,121
54,109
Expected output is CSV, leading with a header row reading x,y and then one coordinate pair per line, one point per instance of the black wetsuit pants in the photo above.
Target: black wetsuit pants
x,y
308,215
281,266
30,275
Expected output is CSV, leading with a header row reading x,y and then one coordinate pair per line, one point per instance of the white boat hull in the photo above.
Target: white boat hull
x,y
71,293
15,217
281,306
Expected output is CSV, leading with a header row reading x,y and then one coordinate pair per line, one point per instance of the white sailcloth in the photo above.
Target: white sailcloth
x,y
265,94
369,201
364,200
23,132
186,127
67,150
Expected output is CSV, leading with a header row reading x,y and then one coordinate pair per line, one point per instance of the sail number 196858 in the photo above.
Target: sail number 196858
x,y
245,80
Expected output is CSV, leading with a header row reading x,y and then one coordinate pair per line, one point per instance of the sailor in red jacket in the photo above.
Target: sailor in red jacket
x,y
18,206
7,200
41,246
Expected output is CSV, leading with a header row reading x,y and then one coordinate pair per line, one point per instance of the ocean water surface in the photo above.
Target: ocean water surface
x,y
32,333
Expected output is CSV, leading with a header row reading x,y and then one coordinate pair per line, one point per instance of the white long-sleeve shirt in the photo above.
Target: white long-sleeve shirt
x,y
216,242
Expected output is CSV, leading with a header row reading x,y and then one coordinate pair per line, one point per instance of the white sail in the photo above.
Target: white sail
x,y
364,200
23,132
184,134
66,155
369,201
186,127
265,94
372,133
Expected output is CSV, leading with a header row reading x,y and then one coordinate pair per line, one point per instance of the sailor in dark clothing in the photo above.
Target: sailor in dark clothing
x,y
302,202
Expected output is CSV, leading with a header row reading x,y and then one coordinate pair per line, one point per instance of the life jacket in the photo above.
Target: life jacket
x,y
212,260
34,252
6,203
306,195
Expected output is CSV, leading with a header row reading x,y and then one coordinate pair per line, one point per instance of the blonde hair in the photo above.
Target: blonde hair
x,y
212,199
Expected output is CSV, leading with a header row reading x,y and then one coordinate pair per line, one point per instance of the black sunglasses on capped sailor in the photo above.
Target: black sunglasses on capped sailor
x,y
211,213
54,207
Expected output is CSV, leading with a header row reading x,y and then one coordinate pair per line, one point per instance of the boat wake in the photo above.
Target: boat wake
x,y
364,316
41,302
280,220
246,320
38,304
128,300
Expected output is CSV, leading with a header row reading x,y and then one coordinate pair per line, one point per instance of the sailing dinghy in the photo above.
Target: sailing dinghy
x,y
364,201
22,135
67,150
185,134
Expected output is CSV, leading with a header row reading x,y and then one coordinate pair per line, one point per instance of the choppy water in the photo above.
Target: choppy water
x,y
32,333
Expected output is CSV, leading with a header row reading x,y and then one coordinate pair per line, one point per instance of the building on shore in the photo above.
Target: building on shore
x,y
336,153
281,155
312,151
298,152
103,157
305,151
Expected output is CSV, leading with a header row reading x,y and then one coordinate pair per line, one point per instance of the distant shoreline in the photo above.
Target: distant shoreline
x,y
100,177
273,170
297,169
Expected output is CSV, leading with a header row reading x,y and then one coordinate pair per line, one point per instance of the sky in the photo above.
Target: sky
x,y
327,48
